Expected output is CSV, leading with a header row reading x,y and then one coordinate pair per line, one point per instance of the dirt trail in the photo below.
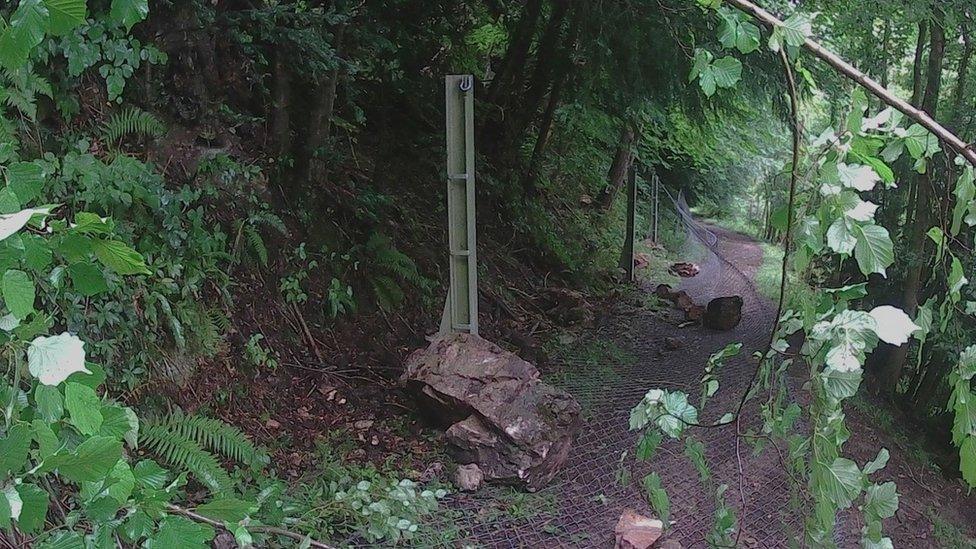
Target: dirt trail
x,y
601,477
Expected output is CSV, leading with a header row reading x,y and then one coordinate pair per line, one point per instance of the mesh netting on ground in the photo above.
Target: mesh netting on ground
x,y
601,477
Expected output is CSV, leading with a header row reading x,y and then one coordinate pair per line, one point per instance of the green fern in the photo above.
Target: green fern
x,y
195,444
187,455
131,121
388,292
255,244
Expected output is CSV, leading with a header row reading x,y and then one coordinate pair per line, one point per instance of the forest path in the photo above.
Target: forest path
x,y
609,368
601,476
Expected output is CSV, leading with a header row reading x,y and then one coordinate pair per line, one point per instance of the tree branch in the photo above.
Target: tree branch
x,y
866,82
256,529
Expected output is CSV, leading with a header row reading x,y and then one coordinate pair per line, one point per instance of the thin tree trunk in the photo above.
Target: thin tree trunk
x,y
542,74
281,99
896,361
542,141
917,68
320,118
962,78
518,51
622,159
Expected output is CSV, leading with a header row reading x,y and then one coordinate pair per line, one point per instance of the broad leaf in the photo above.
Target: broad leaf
x,y
129,12
894,326
18,293
34,510
84,408
65,15
92,460
119,257
873,251
14,447
52,359
881,500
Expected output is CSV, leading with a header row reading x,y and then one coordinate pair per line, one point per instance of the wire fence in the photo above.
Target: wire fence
x,y
601,476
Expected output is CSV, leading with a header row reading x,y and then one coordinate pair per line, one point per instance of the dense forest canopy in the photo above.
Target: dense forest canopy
x,y
222,230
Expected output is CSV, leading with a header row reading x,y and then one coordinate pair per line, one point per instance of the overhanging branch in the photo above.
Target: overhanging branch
x,y
876,89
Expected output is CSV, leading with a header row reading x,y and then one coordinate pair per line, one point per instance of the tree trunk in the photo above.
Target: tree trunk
x,y
518,51
542,74
891,372
917,88
281,98
962,79
542,141
621,163
320,118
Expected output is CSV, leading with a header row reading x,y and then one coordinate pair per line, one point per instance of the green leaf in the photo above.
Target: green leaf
x,y
840,482
49,402
5,512
65,15
121,423
737,32
122,482
967,460
84,408
63,540
175,531
129,12
840,237
37,253
35,507
840,384
18,293
727,71
964,192
873,251
658,497
877,463
647,445
87,279
227,509
26,30
47,441
14,447
89,223
26,180
92,460
794,31
52,359
119,257
881,500
149,474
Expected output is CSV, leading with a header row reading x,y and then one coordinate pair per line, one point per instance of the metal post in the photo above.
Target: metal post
x,y
627,257
656,196
461,307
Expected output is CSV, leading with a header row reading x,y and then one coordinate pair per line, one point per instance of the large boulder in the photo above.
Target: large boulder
x,y
723,313
517,429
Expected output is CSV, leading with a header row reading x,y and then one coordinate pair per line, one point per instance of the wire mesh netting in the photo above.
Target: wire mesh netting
x,y
601,476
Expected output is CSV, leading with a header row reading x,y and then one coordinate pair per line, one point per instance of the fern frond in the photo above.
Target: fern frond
x,y
186,454
270,219
388,292
256,244
215,435
131,121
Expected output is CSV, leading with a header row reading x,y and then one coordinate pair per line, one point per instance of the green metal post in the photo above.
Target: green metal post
x,y
627,257
461,308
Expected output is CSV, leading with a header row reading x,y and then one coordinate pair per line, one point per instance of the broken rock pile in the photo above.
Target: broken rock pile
x,y
502,418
